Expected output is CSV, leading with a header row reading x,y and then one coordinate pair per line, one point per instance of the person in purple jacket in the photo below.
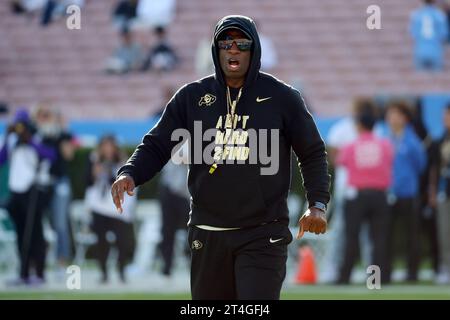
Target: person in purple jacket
x,y
24,156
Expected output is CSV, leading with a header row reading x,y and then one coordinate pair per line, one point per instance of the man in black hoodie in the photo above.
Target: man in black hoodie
x,y
238,225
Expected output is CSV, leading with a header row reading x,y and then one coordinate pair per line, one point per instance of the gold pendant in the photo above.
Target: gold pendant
x,y
229,122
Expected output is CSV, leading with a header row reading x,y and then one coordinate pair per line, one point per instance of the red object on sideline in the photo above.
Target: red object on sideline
x,y
306,272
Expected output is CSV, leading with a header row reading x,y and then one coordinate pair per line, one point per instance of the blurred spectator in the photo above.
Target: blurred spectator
x,y
17,7
162,56
174,198
47,130
52,133
369,163
57,8
124,13
108,224
446,8
3,108
154,13
204,64
427,213
27,6
340,135
27,200
429,30
440,196
269,56
127,57
409,163
428,226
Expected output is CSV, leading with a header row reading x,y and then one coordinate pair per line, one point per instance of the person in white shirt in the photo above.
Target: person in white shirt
x,y
25,156
269,56
154,13
104,163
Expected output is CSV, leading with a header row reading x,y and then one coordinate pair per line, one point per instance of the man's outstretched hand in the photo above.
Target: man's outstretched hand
x,y
122,184
313,220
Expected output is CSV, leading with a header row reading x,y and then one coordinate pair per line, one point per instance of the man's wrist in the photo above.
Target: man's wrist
x,y
125,174
319,205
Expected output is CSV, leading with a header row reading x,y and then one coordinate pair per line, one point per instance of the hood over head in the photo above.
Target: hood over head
x,y
21,116
247,25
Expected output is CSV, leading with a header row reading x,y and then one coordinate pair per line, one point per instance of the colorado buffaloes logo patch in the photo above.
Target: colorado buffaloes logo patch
x,y
207,100
197,245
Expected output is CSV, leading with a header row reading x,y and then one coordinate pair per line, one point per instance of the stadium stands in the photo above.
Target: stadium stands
x,y
324,44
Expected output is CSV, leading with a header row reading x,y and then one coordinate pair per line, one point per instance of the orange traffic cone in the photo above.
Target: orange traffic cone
x,y
306,273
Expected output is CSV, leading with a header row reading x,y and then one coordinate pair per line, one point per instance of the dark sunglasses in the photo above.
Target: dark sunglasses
x,y
242,44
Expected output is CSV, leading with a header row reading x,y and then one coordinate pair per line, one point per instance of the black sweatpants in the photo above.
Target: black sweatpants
x,y
26,211
248,263
370,206
405,219
125,241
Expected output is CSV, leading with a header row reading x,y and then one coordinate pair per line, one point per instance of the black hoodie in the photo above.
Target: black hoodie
x,y
237,195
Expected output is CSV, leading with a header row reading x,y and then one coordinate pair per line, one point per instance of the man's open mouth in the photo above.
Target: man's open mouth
x,y
233,64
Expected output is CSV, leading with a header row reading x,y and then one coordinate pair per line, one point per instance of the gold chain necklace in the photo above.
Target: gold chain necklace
x,y
231,109
231,105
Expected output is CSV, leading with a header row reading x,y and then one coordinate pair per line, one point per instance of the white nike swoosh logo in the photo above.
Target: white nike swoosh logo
x,y
258,99
276,240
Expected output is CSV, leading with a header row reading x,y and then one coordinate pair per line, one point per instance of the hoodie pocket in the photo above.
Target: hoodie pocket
x,y
229,190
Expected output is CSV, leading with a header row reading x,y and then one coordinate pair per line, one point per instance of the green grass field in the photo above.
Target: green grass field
x,y
319,292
